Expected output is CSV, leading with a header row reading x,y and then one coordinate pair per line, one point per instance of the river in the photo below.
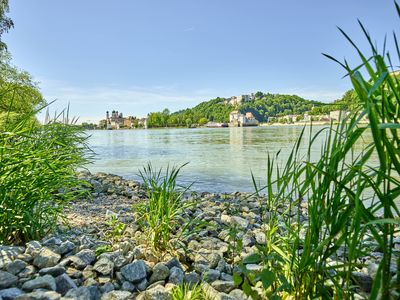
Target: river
x,y
219,159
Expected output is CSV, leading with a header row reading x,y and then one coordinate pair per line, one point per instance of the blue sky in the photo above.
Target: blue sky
x,y
142,56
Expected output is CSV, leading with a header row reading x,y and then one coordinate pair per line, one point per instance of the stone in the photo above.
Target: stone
x,y
81,293
53,271
7,280
116,295
364,281
176,276
94,292
239,295
16,266
108,287
254,267
192,278
28,272
157,293
10,294
211,275
260,237
40,295
104,266
135,271
66,247
33,248
44,282
64,283
223,286
53,241
127,286
160,272
46,258
211,259
141,286
83,258
173,262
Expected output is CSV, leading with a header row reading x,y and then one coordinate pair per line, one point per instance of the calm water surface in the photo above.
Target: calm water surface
x,y
220,159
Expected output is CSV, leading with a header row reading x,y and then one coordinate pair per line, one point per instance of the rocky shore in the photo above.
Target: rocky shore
x,y
82,261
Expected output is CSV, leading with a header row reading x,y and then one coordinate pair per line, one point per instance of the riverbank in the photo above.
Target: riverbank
x,y
87,258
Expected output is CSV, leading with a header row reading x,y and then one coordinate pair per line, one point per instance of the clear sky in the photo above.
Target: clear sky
x,y
141,56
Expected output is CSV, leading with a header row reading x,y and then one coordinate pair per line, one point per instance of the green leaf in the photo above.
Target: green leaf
x,y
253,258
267,278
237,279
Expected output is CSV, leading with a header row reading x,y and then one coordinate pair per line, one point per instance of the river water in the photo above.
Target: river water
x,y
219,159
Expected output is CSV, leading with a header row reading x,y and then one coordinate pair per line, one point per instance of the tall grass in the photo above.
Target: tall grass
x,y
37,175
349,194
163,217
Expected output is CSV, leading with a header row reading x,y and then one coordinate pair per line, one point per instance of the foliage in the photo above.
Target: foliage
x,y
345,191
163,217
19,95
188,292
103,249
262,106
116,229
5,22
348,102
37,177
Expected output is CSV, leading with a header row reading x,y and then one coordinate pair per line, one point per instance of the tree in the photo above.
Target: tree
x,y
203,121
5,23
19,94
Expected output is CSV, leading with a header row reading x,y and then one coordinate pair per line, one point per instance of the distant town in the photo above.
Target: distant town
x,y
238,117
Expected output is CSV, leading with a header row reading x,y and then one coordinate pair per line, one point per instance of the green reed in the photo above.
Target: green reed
x,y
163,216
347,194
37,175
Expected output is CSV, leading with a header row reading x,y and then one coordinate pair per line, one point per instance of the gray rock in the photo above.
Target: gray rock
x,y
135,271
45,282
141,286
64,283
106,288
16,266
239,295
104,266
254,267
260,237
364,281
53,241
157,293
66,247
192,278
81,293
226,277
83,258
211,259
94,292
53,271
28,272
173,262
116,295
223,286
33,248
39,295
176,276
211,275
160,272
46,258
127,286
7,280
10,294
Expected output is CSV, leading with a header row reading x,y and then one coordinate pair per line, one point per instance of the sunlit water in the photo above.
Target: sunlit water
x,y
220,159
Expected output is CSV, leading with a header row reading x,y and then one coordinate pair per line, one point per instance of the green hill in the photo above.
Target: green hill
x,y
260,104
